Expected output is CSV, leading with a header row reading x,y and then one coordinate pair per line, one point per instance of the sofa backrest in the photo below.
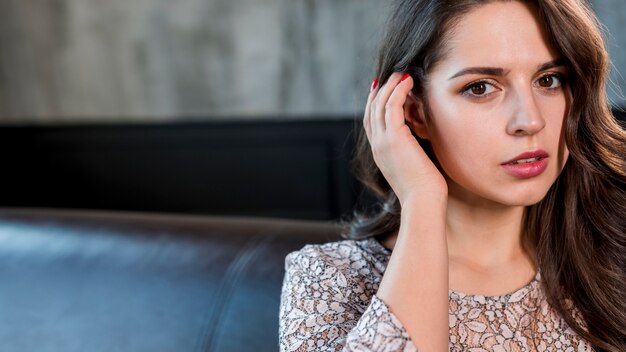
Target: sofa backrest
x,y
105,281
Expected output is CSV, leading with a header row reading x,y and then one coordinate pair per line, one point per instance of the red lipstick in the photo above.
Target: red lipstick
x,y
528,164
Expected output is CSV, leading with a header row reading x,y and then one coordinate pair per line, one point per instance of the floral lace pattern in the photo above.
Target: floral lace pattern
x,y
328,303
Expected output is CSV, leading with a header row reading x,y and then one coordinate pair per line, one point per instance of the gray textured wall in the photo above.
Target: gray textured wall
x,y
93,60
138,60
612,14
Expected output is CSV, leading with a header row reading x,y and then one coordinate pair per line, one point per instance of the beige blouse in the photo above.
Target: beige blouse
x,y
329,303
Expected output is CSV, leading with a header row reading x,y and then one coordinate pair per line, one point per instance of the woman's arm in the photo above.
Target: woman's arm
x,y
332,299
415,283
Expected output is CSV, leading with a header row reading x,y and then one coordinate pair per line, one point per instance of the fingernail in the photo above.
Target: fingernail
x,y
374,84
405,77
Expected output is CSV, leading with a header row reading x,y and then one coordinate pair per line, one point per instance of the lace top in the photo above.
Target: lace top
x,y
328,303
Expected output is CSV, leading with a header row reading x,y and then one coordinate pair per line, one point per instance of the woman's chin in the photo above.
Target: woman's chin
x,y
526,198
514,196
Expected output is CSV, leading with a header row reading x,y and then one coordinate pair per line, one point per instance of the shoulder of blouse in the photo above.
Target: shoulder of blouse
x,y
327,293
366,259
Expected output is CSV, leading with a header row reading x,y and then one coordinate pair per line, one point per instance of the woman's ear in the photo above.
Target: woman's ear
x,y
415,117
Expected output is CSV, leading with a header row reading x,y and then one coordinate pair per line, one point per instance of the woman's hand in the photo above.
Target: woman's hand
x,y
400,158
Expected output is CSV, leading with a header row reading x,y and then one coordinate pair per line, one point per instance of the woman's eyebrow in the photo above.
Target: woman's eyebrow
x,y
491,71
497,71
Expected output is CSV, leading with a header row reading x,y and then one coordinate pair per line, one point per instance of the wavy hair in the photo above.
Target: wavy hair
x,y
582,218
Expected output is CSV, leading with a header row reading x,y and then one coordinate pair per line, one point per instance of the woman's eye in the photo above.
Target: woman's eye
x,y
551,81
478,89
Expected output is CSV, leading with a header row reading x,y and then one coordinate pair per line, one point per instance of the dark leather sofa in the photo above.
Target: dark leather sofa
x,y
126,281
130,278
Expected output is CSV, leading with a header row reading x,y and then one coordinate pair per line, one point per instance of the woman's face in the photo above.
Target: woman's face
x,y
499,94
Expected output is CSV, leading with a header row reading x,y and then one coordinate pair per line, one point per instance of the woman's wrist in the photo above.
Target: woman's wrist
x,y
423,219
436,200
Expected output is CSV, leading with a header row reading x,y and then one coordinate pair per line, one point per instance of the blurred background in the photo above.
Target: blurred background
x,y
88,61
154,60
202,106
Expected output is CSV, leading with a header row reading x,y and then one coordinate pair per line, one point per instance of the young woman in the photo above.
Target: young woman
x,y
501,177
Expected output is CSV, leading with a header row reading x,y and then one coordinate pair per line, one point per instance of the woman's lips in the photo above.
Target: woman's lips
x,y
528,164
526,170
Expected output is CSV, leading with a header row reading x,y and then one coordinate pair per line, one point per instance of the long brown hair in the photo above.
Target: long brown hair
x,y
577,233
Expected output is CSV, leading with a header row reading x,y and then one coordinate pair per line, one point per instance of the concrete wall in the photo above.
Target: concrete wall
x,y
93,60
612,14
161,60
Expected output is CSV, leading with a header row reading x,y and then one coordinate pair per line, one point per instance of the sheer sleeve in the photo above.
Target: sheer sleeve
x,y
326,306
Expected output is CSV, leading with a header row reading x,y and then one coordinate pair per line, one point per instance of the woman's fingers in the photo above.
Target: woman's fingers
x,y
385,105
367,118
380,102
394,108
377,124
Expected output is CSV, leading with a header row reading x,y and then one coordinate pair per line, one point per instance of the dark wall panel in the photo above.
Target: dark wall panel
x,y
297,169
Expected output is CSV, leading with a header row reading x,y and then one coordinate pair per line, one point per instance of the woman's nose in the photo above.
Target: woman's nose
x,y
526,118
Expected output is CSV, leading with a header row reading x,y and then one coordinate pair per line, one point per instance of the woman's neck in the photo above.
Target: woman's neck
x,y
485,252
486,235
483,235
